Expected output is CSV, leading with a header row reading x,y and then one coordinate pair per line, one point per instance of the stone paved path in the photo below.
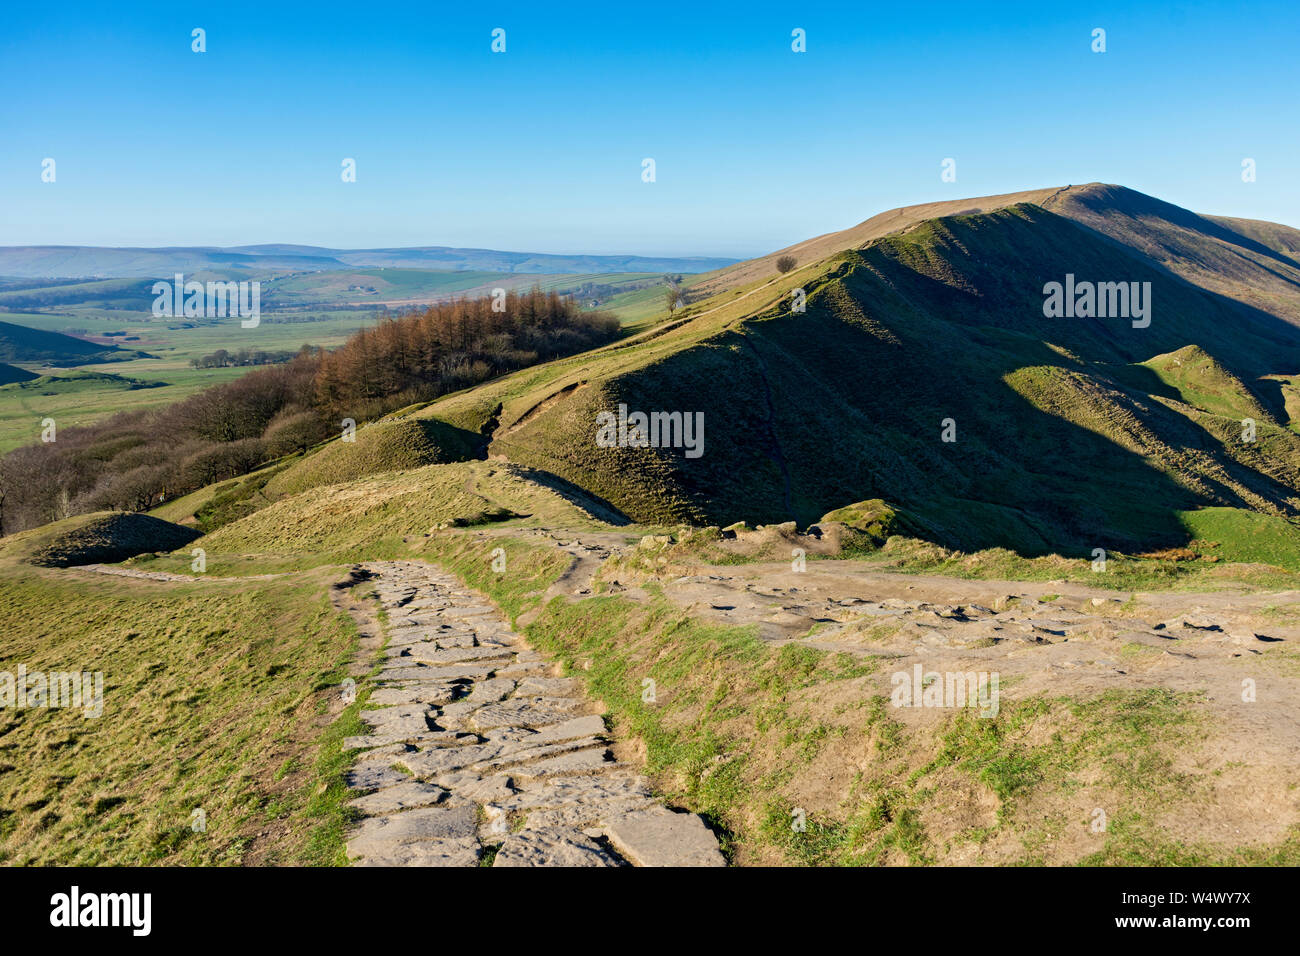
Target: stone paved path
x,y
477,746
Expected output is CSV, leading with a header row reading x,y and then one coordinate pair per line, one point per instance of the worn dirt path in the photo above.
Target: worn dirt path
x,y
170,576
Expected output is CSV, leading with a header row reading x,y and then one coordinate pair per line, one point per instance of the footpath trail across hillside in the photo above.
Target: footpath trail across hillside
x,y
171,577
479,753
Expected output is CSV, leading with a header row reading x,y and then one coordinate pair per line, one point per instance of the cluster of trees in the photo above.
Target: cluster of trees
x,y
244,357
453,345
139,458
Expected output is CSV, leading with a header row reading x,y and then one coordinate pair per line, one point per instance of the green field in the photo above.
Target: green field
x,y
317,288
234,690
85,397
1234,534
79,400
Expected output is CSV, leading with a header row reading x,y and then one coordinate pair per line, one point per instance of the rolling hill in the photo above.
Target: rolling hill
x,y
928,371
1069,434
19,343
9,374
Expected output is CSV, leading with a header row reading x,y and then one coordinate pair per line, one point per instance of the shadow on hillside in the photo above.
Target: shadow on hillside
x,y
1038,468
1272,396
1137,204
594,505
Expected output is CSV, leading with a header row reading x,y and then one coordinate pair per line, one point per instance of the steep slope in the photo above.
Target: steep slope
x,y
1252,262
1281,239
1257,263
1064,439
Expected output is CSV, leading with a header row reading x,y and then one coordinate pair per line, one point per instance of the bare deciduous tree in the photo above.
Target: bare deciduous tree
x,y
675,298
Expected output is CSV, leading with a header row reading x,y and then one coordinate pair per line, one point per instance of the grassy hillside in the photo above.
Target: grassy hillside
x,y
811,251
230,682
78,380
215,696
1070,433
1232,534
1067,430
383,446
1202,382
752,733
18,343
97,538
1253,262
372,515
1248,261
136,294
396,288
377,285
84,396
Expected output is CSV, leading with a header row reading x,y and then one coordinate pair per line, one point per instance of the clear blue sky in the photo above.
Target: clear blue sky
x,y
540,148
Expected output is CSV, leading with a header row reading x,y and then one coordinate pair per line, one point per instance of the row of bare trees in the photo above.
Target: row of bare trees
x,y
456,344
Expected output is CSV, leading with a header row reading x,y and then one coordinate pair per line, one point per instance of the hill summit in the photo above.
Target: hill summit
x,y
910,359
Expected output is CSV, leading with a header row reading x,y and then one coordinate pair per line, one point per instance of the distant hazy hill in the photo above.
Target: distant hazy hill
x,y
93,261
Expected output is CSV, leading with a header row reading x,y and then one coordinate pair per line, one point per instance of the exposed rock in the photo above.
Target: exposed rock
x,y
660,837
552,846
380,834
404,796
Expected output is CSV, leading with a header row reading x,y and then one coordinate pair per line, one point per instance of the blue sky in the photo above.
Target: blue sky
x,y
540,148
